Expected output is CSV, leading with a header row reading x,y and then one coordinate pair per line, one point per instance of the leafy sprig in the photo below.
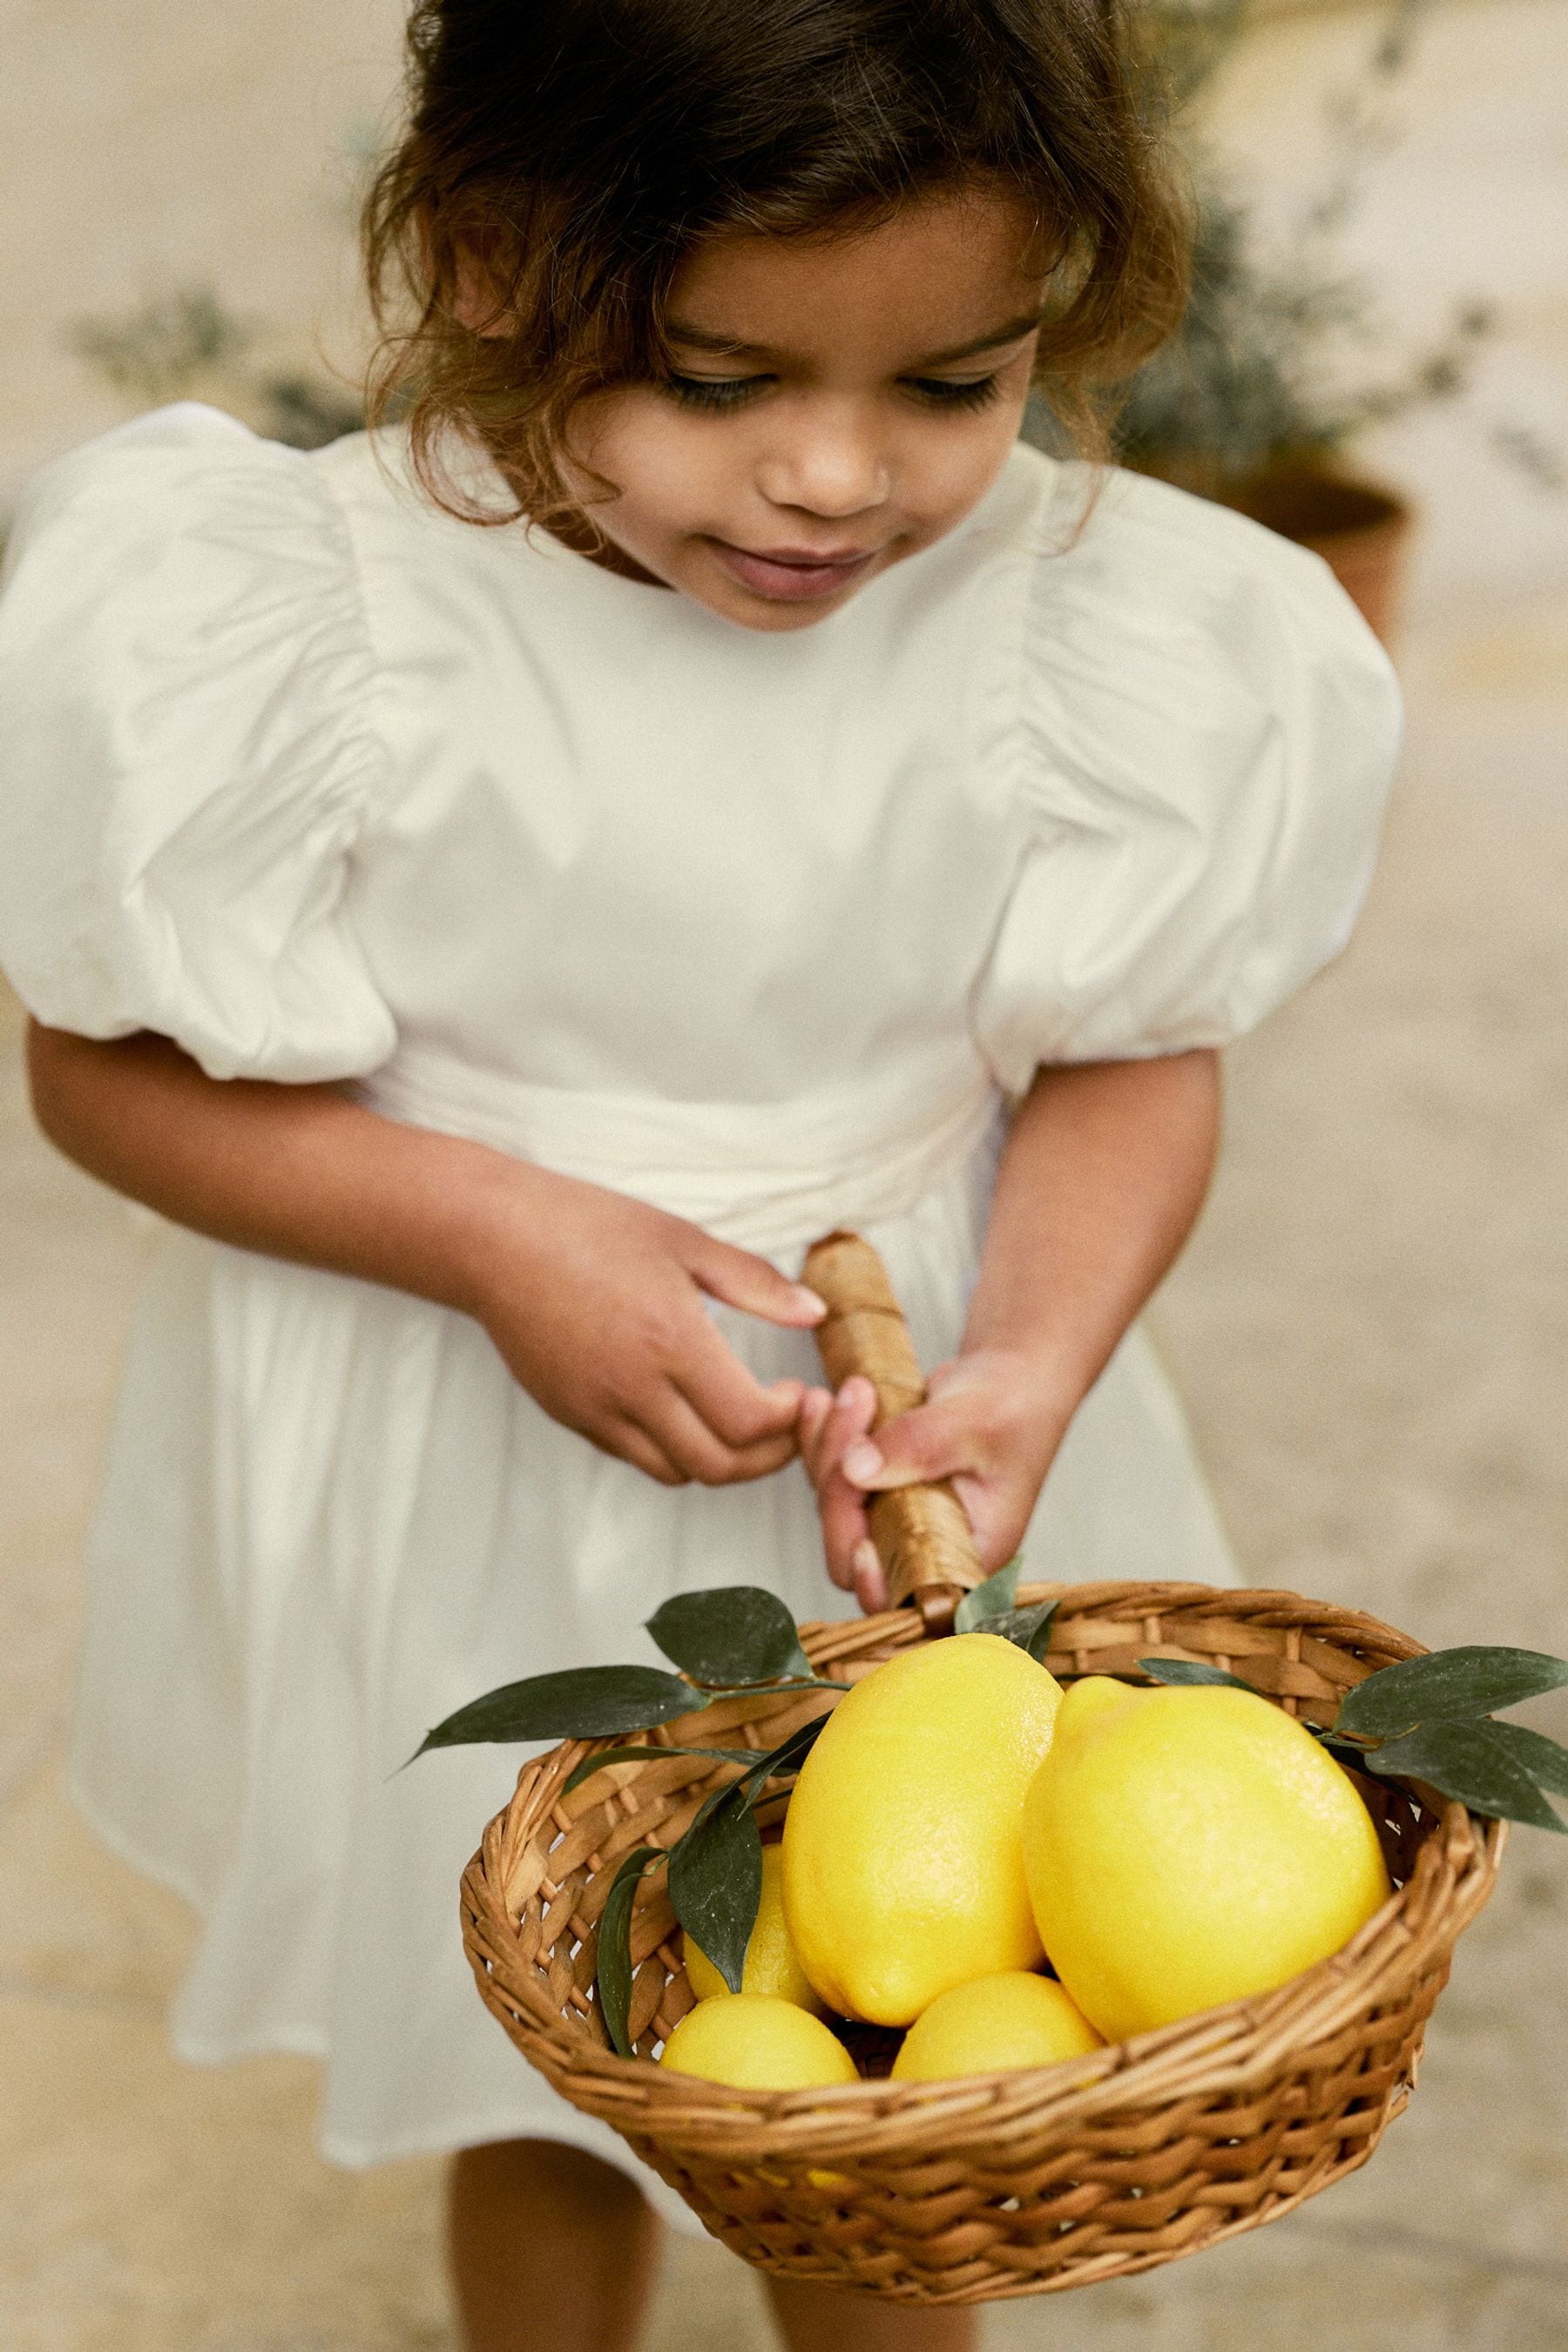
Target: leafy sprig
x,y
1431,1719
728,1641
1427,1720
991,1608
732,1639
714,1881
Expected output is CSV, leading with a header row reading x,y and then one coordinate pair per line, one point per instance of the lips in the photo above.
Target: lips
x,y
807,558
792,574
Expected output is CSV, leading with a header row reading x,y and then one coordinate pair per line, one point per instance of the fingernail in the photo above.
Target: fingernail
x,y
863,1559
862,1463
809,1303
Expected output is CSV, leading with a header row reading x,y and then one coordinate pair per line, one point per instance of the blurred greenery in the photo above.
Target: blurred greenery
x,y
1276,359
189,346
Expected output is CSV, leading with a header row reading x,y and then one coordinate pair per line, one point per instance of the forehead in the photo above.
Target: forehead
x,y
938,274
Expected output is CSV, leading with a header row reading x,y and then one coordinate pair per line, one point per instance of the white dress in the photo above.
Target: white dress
x,y
760,928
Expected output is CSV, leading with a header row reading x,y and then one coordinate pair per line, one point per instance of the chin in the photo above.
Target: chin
x,y
779,620
772,616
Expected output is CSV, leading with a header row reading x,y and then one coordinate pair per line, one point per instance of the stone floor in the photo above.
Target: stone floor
x,y
1372,1328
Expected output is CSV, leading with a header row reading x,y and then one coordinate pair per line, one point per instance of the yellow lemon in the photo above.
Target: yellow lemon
x,y
772,1964
993,2025
758,2043
1190,1846
903,1859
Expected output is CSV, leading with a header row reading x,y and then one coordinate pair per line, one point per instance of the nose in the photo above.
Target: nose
x,y
825,459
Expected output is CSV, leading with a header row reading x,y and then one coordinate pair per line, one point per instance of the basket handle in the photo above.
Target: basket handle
x,y
921,1535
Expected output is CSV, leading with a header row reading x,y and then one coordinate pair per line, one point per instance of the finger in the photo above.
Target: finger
x,y
758,1460
934,1441
870,1579
815,1407
853,1411
628,1443
997,1518
840,1504
842,1510
742,1279
701,1453
727,1396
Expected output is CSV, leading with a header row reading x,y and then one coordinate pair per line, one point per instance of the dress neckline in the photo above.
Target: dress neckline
x,y
475,472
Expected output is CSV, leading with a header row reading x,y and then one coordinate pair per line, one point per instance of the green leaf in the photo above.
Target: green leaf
x,y
591,1764
775,1690
1039,1640
716,1882
1182,1670
994,1598
1344,1751
613,1973
735,1633
763,1763
1545,1760
1029,1629
1448,1686
1467,1760
787,1757
580,1703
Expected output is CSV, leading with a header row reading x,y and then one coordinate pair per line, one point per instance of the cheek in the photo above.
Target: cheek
x,y
658,465
960,460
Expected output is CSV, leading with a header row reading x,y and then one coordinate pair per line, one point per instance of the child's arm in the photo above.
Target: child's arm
x,y
1102,1177
593,1300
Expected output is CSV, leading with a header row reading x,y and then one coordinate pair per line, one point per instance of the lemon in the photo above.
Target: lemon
x,y
1190,1846
903,1860
758,2043
772,1964
993,2025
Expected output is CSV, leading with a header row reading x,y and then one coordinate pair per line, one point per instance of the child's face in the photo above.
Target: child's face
x,y
839,405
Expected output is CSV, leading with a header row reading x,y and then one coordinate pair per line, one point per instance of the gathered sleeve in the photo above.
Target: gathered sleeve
x,y
187,753
1206,733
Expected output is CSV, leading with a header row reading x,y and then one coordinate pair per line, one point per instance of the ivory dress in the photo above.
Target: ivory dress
x,y
762,928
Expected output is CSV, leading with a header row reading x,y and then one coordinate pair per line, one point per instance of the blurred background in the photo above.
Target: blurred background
x,y
1371,1328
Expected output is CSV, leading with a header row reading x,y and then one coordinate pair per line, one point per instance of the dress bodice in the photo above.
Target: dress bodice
x,y
324,783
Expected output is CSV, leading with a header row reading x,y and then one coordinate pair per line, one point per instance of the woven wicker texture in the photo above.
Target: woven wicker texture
x,y
999,2185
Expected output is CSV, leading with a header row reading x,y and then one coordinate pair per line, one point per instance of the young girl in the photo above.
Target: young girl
x,y
504,885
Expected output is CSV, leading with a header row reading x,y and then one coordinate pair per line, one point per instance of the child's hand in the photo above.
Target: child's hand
x,y
595,1304
992,1423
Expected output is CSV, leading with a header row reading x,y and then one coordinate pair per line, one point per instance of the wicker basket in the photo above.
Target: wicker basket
x,y
1008,2184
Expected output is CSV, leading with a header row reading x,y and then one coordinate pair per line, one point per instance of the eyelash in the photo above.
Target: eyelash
x,y
721,392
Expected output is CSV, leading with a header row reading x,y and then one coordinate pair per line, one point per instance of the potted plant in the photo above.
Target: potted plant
x,y
1260,397
1240,406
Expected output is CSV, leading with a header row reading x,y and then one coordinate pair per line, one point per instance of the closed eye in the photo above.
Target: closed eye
x,y
720,392
945,391
713,391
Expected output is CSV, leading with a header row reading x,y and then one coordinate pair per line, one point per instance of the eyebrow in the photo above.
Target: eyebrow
x,y
730,347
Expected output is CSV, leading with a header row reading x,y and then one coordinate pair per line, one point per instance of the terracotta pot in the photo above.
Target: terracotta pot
x,y
1361,530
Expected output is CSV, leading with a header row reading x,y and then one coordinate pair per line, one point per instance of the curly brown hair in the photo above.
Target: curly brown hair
x,y
565,156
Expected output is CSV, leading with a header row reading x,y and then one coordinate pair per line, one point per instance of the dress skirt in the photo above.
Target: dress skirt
x,y
330,1517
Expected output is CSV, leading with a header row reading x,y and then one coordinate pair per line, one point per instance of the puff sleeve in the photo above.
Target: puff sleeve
x,y
186,755
1205,735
